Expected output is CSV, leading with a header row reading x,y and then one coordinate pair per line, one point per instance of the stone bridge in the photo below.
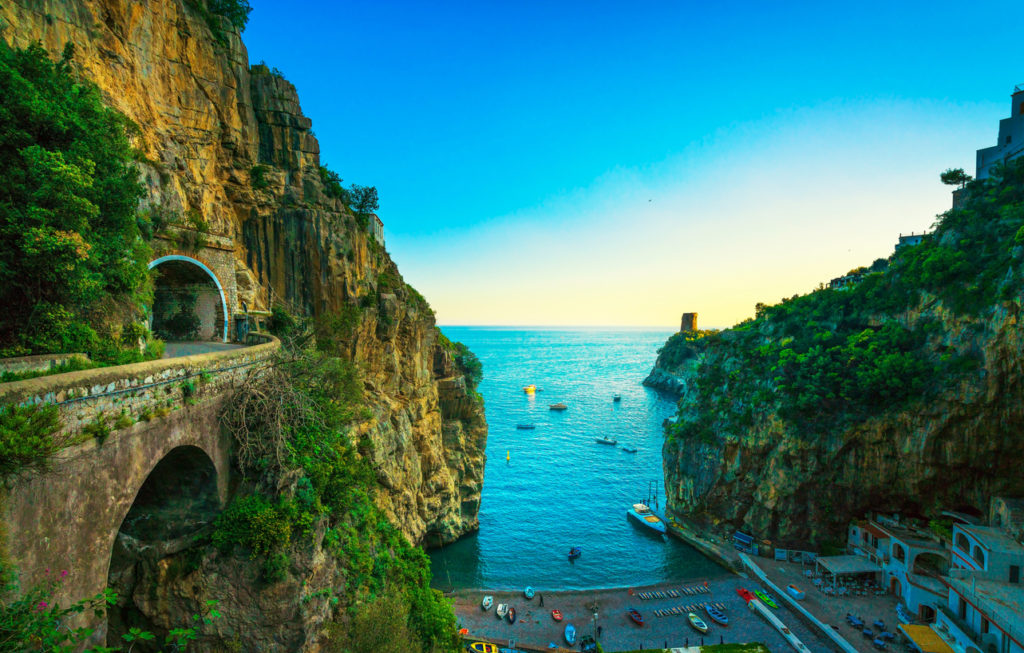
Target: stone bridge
x,y
158,437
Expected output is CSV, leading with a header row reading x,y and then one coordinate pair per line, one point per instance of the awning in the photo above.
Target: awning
x,y
743,538
847,565
925,639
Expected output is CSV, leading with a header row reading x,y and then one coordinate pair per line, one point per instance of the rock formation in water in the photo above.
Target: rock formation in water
x,y
903,393
228,144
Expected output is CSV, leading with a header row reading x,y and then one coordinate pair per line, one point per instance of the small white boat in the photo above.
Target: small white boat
x,y
501,611
642,514
486,604
697,623
528,592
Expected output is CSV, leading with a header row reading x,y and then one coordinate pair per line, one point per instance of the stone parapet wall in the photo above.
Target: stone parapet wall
x,y
38,363
141,390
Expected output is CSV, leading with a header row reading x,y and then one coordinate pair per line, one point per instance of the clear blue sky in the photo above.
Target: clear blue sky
x,y
539,163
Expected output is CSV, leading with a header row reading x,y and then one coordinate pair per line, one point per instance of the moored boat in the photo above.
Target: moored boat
x,y
745,594
795,592
570,634
767,600
606,440
530,389
528,592
525,427
502,610
629,449
716,615
487,603
556,614
617,398
511,615
575,552
558,406
643,516
635,615
697,623
482,647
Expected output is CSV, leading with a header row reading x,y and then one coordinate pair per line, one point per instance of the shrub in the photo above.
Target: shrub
x,y
29,438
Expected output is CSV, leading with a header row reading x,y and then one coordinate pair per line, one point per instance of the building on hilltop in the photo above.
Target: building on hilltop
x,y
377,228
845,282
689,322
1010,144
909,240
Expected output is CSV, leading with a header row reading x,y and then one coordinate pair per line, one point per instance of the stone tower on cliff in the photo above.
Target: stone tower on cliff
x,y
689,322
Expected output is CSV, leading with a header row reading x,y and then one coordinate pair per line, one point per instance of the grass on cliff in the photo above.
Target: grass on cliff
x,y
834,357
310,483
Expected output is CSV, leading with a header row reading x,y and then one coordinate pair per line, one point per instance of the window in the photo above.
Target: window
x,y
978,555
1009,138
984,625
864,536
961,542
962,609
898,553
1014,573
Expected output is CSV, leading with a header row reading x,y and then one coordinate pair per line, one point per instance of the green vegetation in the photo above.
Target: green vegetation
x,y
28,438
465,360
360,200
833,357
73,260
74,364
213,11
292,428
259,177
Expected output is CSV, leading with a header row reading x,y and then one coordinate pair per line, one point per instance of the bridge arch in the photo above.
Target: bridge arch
x,y
183,274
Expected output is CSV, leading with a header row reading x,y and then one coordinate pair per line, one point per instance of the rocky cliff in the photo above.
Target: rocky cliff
x,y
227,155
903,394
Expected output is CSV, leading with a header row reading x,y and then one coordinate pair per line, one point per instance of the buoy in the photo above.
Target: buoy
x,y
508,457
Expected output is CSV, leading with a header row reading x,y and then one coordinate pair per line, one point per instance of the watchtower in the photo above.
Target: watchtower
x,y
689,322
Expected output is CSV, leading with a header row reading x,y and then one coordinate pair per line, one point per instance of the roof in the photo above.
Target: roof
x,y
911,536
874,530
926,639
993,539
1002,602
840,565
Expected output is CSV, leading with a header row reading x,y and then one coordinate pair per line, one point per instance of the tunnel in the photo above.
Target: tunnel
x,y
188,301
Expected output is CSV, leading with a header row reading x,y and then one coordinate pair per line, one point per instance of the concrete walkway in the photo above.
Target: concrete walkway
x,y
191,348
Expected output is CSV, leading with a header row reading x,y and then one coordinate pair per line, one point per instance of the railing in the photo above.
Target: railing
x,y
1011,628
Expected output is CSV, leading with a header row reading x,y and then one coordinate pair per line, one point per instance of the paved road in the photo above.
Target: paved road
x,y
179,349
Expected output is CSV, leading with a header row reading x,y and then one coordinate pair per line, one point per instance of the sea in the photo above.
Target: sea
x,y
551,488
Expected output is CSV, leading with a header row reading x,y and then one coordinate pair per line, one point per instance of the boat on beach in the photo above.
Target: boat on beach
x,y
795,592
718,616
528,592
556,614
697,623
486,604
482,647
511,615
570,634
606,440
635,615
558,406
745,594
767,600
642,515
501,611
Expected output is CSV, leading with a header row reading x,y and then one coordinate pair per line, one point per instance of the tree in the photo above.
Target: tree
x,y
364,199
955,177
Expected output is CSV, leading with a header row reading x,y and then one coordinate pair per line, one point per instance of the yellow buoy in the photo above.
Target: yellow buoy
x,y
508,456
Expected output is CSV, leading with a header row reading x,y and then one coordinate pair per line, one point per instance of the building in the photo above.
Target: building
x,y
848,281
982,615
909,240
689,322
1010,144
377,228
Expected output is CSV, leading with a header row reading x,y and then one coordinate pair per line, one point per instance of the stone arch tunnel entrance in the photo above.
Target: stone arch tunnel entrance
x,y
188,300
172,509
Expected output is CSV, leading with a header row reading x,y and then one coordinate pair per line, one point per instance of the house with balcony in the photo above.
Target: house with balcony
x,y
1010,143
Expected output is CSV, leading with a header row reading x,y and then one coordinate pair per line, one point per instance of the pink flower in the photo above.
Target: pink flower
x,y
42,605
64,573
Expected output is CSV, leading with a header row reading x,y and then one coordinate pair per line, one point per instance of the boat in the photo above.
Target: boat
x,y
530,389
486,604
718,616
575,552
587,644
745,594
697,623
635,615
525,427
511,615
502,610
795,592
558,406
482,647
643,516
767,600
617,398
606,440
629,449
556,614
528,592
570,634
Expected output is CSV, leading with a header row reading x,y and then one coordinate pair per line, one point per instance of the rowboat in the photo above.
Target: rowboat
x,y
528,592
697,623
569,634
629,449
716,615
795,592
643,516
486,604
511,615
575,552
482,647
745,594
502,610
767,600
556,615
637,618
525,427
606,440
558,406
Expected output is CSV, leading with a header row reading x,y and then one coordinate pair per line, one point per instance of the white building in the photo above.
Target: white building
x,y
909,240
1010,144
377,228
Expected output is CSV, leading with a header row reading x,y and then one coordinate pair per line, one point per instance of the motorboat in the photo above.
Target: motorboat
x,y
558,406
486,604
482,647
511,615
525,427
530,389
606,440
629,449
795,592
767,600
617,398
556,614
718,616
697,623
570,634
635,615
501,611
642,514
528,592
575,552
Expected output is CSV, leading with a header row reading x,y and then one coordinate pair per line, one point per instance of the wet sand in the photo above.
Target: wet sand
x,y
534,625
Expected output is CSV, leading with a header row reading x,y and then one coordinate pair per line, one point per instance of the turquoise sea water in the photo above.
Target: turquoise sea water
x,y
560,488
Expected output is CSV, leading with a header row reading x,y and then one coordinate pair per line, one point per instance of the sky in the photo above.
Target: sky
x,y
620,163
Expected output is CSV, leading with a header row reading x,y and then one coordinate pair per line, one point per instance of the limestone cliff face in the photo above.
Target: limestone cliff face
x,y
954,449
229,143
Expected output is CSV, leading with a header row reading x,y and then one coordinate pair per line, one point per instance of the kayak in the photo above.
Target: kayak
x,y
482,647
697,623
745,594
761,594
